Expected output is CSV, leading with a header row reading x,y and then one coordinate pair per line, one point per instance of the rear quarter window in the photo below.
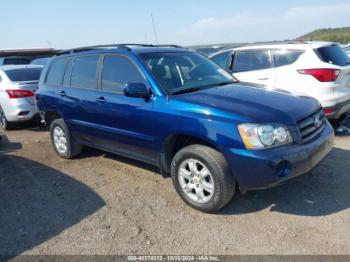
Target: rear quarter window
x,y
56,71
333,54
24,74
285,57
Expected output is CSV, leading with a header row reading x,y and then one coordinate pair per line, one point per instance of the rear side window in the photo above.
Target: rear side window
x,y
285,57
333,54
117,71
24,74
251,60
221,59
84,72
16,61
56,72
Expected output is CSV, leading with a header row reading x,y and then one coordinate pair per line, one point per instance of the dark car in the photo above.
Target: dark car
x,y
177,110
14,60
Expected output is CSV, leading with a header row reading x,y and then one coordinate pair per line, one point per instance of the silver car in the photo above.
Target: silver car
x,y
18,84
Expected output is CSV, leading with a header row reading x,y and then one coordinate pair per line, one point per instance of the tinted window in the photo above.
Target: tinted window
x,y
56,72
285,57
16,61
251,60
84,73
221,59
333,54
24,74
185,72
117,71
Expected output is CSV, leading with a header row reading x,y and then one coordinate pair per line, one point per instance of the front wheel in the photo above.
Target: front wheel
x,y
202,178
62,141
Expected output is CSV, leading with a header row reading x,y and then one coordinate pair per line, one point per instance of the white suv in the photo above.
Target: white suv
x,y
317,69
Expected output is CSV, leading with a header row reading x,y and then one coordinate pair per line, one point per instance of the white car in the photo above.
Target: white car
x,y
317,69
18,84
347,50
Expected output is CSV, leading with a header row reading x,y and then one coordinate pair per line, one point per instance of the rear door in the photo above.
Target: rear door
x,y
80,94
287,76
254,66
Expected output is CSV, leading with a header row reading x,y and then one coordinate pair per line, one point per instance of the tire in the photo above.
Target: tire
x,y
67,147
4,124
207,193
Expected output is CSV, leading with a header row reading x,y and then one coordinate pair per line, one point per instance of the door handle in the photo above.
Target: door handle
x,y
62,93
101,100
263,78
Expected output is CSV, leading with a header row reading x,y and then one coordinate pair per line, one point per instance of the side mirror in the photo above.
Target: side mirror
x,y
138,90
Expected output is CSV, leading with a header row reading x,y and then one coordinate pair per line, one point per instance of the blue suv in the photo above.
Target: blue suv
x,y
175,109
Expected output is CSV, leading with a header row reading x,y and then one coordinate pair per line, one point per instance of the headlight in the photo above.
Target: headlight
x,y
256,136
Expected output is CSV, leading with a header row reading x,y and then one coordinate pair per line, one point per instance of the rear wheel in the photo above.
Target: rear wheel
x,y
4,124
202,178
63,143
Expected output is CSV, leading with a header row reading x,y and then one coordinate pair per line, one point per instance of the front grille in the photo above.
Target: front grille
x,y
311,125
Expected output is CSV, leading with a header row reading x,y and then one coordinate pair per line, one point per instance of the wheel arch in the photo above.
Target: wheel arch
x,y
51,116
175,142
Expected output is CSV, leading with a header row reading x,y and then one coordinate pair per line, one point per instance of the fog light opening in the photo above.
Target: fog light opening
x,y
282,169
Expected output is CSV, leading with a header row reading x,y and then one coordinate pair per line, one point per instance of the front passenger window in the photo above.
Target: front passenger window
x,y
117,71
221,59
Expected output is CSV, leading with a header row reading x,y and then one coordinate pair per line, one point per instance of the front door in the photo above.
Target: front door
x,y
126,122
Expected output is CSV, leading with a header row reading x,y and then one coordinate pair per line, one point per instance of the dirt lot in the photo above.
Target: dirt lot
x,y
104,204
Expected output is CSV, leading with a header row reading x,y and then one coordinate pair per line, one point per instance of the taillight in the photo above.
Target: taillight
x,y
328,111
322,74
18,93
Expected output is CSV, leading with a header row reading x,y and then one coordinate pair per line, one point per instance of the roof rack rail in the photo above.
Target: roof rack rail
x,y
117,46
87,48
275,43
151,45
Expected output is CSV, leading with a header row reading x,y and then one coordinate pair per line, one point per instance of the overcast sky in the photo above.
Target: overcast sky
x,y
72,23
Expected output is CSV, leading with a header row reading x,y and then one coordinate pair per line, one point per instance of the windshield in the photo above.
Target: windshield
x,y
24,74
185,72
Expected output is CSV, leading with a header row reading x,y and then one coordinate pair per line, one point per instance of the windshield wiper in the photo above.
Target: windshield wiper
x,y
186,90
193,89
225,83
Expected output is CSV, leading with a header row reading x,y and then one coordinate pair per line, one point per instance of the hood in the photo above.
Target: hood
x,y
253,104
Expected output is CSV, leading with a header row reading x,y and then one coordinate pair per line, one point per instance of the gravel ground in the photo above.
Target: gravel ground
x,y
105,204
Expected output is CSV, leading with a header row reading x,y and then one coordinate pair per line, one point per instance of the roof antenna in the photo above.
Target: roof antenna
x,y
154,29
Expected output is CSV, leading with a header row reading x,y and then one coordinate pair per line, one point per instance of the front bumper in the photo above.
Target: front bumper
x,y
259,169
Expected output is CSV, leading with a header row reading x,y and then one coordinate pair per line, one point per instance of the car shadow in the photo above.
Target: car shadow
x,y
322,192
6,146
38,203
30,126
